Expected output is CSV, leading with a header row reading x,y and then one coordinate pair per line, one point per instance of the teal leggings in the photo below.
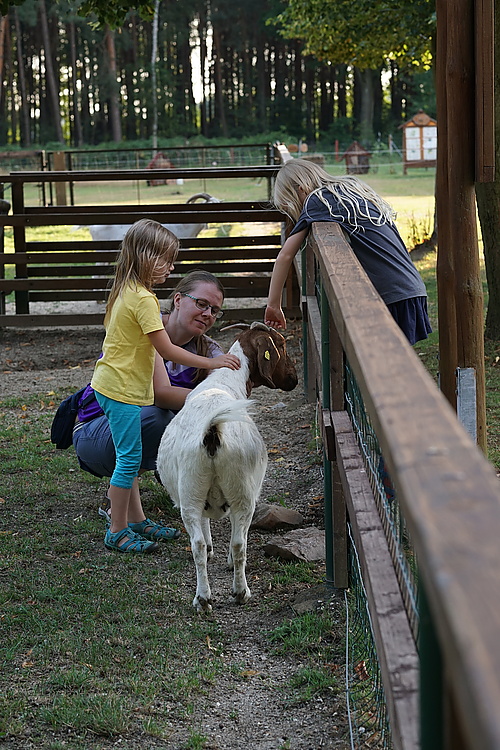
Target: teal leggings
x,y
125,425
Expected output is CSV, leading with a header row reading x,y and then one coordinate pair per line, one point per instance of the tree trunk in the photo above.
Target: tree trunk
x,y
220,112
25,123
52,80
4,20
77,120
341,76
114,104
366,104
488,204
154,93
202,33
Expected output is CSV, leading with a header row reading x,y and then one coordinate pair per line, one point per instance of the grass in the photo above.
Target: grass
x,y
313,633
83,639
97,649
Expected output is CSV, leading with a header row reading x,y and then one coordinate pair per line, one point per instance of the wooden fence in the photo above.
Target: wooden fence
x,y
443,691
66,271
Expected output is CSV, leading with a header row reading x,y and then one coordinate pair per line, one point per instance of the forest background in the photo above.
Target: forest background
x,y
199,69
101,73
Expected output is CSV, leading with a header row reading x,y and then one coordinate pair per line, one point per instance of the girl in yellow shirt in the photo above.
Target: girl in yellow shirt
x,y
123,376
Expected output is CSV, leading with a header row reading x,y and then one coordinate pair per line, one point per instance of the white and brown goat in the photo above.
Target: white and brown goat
x,y
212,458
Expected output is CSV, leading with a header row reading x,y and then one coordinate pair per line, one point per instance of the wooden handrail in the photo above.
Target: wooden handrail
x,y
449,493
144,174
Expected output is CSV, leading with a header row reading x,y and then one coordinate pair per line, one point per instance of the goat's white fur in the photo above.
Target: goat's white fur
x,y
229,482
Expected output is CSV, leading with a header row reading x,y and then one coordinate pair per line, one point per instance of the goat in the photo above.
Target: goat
x,y
118,231
212,458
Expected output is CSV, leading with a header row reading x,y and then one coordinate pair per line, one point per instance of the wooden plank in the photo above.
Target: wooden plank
x,y
217,267
190,208
122,175
109,256
186,242
449,493
73,295
396,649
237,314
200,217
314,338
251,286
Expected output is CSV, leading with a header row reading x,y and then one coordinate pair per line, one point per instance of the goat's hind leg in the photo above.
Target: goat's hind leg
x,y
237,557
196,528
207,534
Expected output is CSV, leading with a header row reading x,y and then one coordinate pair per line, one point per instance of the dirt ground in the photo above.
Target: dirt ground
x,y
42,360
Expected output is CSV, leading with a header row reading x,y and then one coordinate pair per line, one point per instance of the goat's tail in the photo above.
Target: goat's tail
x,y
233,411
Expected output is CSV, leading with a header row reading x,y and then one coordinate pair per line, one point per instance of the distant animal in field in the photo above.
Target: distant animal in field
x,y
118,231
212,458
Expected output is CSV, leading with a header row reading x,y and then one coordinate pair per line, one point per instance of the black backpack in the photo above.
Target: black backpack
x,y
61,432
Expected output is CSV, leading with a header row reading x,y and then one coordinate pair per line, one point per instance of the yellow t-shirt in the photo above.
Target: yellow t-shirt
x,y
125,370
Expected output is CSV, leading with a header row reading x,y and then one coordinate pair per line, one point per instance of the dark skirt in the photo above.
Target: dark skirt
x,y
411,316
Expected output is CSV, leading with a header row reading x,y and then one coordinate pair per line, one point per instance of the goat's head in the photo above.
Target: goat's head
x,y
268,360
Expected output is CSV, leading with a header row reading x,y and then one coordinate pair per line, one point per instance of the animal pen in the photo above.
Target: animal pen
x,y
412,512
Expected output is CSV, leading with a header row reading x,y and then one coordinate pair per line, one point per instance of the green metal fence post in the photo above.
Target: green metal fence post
x,y
305,342
431,679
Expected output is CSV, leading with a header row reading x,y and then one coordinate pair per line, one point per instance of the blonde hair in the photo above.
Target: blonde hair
x,y
145,243
351,193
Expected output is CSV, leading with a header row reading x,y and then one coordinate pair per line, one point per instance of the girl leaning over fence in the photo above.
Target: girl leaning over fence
x,y
307,193
123,376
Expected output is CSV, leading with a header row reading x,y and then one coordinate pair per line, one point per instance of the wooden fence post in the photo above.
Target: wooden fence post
x,y
458,255
60,166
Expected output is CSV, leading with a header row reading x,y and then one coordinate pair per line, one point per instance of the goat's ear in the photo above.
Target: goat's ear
x,y
267,359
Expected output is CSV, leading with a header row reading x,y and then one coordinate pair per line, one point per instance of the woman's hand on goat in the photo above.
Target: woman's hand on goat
x,y
224,360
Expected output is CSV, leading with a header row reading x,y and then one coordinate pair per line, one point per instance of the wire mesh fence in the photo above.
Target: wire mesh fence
x,y
369,721
167,158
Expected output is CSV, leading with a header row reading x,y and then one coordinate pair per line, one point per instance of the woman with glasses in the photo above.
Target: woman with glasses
x,y
194,306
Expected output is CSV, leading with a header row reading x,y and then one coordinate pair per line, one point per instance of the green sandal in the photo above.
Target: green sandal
x,y
151,530
133,542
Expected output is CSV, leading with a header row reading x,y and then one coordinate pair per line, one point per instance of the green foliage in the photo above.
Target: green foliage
x,y
104,12
364,32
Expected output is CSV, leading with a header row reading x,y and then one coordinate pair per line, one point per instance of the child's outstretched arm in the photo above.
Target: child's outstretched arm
x,y
273,316
164,346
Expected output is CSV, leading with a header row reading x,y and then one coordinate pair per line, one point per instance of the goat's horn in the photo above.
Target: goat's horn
x,y
260,326
206,196
243,326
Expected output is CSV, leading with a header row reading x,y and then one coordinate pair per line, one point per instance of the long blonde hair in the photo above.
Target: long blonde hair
x,y
145,243
353,194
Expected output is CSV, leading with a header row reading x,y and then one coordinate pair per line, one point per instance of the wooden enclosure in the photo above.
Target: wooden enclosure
x,y
80,270
443,694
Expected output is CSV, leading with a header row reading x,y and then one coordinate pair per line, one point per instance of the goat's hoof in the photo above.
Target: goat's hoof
x,y
202,605
242,597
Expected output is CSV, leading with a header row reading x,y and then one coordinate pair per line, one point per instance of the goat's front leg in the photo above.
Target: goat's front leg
x,y
237,557
194,526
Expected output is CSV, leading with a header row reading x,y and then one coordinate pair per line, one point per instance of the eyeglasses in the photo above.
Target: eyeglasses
x,y
202,304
